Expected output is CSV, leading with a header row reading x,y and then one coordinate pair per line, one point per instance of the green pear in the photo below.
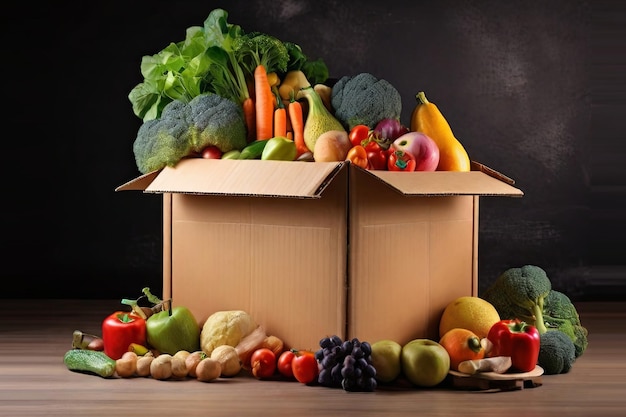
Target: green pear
x,y
425,363
386,359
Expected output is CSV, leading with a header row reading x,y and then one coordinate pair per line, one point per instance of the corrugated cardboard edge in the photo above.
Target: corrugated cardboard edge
x,y
480,181
477,166
305,180
140,183
253,178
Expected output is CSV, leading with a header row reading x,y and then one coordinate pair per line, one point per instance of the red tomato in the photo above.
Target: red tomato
x,y
263,363
358,134
284,363
211,152
377,159
304,366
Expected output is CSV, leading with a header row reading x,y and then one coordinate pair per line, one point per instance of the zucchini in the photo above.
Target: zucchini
x,y
89,361
254,150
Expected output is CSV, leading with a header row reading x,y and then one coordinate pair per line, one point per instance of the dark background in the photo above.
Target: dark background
x,y
531,88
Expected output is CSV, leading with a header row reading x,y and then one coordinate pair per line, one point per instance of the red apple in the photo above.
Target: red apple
x,y
422,147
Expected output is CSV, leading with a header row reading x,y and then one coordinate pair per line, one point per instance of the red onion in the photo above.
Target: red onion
x,y
388,130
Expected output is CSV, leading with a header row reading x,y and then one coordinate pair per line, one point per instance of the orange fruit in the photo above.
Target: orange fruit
x,y
471,313
462,345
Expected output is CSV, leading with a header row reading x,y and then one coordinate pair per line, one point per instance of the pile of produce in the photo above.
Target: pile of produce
x,y
528,326
227,93
224,93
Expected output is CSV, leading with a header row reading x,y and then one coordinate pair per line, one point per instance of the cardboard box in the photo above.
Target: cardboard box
x,y
314,249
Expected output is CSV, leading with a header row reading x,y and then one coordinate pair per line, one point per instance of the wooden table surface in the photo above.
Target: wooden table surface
x,y
34,335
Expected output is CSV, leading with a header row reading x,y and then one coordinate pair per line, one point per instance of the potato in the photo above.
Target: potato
x,y
161,367
179,367
143,365
126,366
192,361
208,369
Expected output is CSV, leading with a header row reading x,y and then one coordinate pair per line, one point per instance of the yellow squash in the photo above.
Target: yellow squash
x,y
427,118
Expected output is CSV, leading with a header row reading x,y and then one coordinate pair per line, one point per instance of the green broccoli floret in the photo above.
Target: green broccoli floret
x,y
256,48
520,293
163,141
364,99
185,129
556,353
559,313
216,121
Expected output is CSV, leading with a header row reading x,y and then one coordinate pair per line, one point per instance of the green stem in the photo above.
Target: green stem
x,y
421,98
539,323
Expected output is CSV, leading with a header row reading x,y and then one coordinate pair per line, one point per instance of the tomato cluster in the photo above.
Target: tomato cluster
x,y
369,151
300,365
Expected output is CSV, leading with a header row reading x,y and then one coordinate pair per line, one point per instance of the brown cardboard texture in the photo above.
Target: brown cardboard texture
x,y
413,248
315,249
266,237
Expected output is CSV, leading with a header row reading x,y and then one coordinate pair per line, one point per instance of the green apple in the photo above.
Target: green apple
x,y
425,362
171,330
386,359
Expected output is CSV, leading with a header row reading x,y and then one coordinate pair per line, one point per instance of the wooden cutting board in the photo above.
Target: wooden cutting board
x,y
491,381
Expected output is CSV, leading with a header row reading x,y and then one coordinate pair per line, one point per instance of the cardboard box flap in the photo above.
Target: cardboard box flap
x,y
139,183
241,178
446,183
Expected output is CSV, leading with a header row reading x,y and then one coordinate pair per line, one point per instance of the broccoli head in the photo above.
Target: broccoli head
x,y
184,129
556,353
559,313
364,99
520,293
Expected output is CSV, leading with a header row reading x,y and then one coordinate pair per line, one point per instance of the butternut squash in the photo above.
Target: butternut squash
x,y
428,119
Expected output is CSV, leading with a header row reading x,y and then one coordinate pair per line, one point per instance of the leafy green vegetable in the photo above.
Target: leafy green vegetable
x,y
315,71
207,61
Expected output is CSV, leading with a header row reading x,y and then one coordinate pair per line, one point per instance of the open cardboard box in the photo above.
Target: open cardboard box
x,y
315,249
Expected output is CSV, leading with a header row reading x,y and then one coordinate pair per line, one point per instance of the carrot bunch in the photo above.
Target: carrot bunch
x,y
267,115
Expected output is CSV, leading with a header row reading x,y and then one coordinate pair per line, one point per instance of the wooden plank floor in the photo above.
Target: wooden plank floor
x,y
34,335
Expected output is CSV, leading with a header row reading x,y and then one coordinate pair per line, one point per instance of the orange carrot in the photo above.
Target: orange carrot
x,y
280,122
297,124
264,104
249,113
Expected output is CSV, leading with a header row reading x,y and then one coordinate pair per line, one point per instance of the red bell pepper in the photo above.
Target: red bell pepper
x,y
119,330
400,160
516,339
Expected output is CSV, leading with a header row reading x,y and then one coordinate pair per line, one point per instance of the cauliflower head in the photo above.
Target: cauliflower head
x,y
226,327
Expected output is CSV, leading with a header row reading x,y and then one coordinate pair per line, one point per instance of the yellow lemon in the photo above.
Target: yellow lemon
x,y
471,313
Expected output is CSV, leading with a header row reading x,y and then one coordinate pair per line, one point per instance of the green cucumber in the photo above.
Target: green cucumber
x,y
89,361
254,150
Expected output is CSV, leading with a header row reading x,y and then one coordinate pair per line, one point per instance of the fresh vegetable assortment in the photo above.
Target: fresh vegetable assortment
x,y
223,89
230,344
526,293
223,93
